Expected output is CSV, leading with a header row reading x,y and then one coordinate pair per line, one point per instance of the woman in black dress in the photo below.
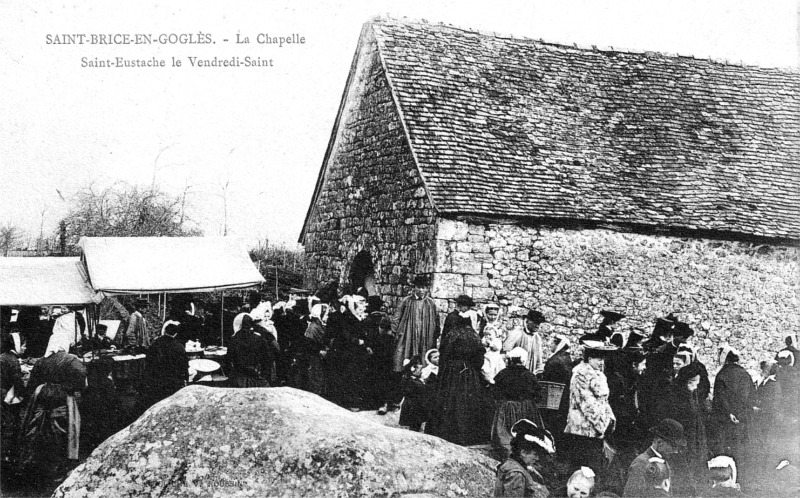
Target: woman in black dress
x,y
464,408
683,404
517,390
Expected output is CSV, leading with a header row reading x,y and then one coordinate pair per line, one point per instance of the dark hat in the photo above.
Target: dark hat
x,y
101,328
616,339
596,349
664,326
633,355
689,372
683,330
635,339
464,300
422,280
526,430
536,317
374,303
611,316
671,431
247,322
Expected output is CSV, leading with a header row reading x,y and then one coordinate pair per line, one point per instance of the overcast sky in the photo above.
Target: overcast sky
x,y
263,130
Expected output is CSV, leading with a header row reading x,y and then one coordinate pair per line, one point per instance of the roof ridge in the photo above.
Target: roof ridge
x,y
583,48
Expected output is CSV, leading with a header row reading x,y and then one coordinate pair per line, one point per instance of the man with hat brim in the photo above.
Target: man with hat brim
x,y
529,339
635,338
662,333
668,440
608,325
460,315
136,333
415,324
100,340
605,331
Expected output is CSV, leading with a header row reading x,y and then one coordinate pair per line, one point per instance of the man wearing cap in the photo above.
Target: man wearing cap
x,y
529,339
415,324
668,439
136,332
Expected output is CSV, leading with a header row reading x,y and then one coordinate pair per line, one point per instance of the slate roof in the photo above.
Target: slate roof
x,y
518,128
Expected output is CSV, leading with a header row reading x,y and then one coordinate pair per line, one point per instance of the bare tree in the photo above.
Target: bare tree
x,y
10,236
124,210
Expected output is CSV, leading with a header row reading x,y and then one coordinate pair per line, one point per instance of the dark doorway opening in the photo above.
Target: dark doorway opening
x,y
362,272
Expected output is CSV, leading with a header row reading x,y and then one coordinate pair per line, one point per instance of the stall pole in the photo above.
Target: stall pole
x,y
164,315
276,284
221,320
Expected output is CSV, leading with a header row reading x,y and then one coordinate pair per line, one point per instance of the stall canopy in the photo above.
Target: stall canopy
x,y
45,281
150,265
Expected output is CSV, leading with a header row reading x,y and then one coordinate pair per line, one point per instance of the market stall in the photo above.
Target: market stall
x,y
169,265
47,281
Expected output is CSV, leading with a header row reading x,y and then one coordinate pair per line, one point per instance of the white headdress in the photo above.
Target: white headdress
x,y
520,353
722,462
723,355
787,354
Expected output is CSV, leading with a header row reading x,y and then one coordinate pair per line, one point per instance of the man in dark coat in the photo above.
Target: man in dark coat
x,y
166,367
668,439
732,407
558,369
415,324
250,356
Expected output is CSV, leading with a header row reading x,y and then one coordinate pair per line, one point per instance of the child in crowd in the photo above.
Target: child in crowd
x,y
493,360
430,371
581,483
657,478
415,395
722,477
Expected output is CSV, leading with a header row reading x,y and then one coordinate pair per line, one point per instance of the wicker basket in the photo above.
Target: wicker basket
x,y
551,395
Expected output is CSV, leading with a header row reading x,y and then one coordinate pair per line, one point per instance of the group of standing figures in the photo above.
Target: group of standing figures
x,y
473,379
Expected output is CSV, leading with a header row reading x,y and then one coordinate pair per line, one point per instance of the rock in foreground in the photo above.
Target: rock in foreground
x,y
272,442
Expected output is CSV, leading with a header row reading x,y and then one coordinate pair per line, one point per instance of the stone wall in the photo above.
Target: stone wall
x,y
372,197
745,295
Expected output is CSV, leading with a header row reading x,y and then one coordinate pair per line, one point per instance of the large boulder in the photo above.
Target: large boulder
x,y
272,442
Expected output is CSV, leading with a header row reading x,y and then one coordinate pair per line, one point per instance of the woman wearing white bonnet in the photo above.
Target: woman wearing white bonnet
x,y
517,390
722,477
581,483
492,325
315,348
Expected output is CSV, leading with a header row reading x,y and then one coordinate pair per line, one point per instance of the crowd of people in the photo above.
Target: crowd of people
x,y
618,412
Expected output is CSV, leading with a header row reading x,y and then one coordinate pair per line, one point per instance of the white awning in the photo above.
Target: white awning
x,y
149,265
44,281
